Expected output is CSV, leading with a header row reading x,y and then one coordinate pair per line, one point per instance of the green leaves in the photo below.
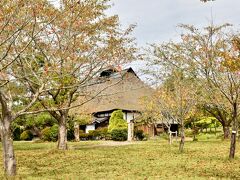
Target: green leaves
x,y
116,121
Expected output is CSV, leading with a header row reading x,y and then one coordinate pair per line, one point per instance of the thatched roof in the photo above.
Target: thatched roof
x,y
117,90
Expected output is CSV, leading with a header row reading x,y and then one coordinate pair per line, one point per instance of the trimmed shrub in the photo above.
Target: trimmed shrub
x,y
116,121
98,133
46,134
89,136
86,136
50,133
54,132
108,136
119,134
103,133
83,136
26,135
139,134
94,134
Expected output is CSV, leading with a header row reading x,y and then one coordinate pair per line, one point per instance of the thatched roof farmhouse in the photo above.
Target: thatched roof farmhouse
x,y
114,90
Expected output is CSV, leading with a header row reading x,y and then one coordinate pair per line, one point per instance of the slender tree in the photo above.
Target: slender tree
x,y
74,55
176,94
21,23
211,57
217,55
77,46
177,102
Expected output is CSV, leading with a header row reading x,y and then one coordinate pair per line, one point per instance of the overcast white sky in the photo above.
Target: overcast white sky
x,y
157,19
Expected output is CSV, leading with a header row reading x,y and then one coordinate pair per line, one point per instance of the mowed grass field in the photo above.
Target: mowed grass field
x,y
153,159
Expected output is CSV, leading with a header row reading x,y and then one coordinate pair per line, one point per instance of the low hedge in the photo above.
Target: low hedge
x,y
101,133
85,136
26,135
50,133
119,134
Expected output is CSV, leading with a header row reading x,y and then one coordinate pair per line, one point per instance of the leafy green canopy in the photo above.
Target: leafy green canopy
x,y
116,121
207,122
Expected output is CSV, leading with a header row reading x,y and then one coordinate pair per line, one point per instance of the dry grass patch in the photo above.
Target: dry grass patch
x,y
103,160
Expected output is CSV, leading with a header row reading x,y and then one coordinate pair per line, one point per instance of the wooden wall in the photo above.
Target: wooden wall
x,y
147,129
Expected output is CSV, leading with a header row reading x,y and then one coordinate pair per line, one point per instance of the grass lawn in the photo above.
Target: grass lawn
x,y
153,159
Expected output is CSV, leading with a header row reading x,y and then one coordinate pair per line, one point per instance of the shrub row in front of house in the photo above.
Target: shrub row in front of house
x,y
101,133
119,134
51,134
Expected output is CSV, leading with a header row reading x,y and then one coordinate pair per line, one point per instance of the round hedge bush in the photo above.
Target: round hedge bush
x,y
116,121
46,134
119,134
50,133
54,132
26,135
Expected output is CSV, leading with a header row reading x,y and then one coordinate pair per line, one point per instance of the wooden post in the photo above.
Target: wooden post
x,y
233,145
76,131
170,137
130,130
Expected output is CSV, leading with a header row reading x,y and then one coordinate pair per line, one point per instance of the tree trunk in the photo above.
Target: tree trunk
x,y
181,145
76,131
130,131
9,160
234,132
62,132
194,134
170,137
195,131
226,132
233,145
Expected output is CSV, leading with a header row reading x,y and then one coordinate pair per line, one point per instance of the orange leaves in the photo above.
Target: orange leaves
x,y
185,38
231,63
236,44
231,58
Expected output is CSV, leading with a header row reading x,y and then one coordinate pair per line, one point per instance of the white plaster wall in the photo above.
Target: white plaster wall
x,y
89,128
130,116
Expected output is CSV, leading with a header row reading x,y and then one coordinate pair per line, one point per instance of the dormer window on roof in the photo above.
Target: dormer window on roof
x,y
108,72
